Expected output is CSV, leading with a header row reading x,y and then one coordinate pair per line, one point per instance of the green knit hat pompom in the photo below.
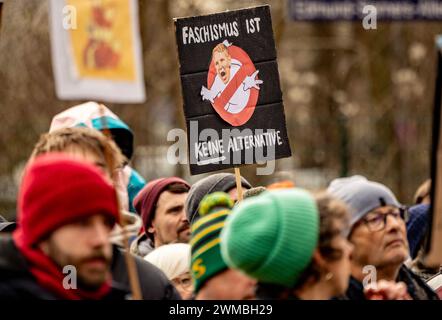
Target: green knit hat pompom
x,y
271,237
205,249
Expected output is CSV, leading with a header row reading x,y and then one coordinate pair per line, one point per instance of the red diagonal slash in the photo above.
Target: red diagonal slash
x,y
231,88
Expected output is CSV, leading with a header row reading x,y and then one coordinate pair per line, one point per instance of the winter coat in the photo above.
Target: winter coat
x,y
17,282
142,246
417,288
153,282
133,224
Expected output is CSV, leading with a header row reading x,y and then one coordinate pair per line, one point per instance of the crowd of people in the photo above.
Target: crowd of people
x,y
82,211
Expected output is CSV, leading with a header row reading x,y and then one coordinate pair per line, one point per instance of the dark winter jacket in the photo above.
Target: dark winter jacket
x,y
417,288
17,283
142,245
153,282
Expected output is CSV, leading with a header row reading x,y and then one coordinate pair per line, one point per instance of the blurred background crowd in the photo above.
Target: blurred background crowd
x,y
356,100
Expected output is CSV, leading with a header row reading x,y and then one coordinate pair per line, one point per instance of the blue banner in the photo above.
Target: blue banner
x,y
329,10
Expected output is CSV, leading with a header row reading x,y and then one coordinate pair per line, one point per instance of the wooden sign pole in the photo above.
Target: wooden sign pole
x,y
238,183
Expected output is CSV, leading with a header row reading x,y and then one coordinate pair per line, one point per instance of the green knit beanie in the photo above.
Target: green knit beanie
x,y
272,237
205,248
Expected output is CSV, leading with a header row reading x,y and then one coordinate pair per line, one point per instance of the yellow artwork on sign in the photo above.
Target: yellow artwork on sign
x,y
102,44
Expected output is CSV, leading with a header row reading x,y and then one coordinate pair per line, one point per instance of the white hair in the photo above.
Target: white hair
x,y
172,259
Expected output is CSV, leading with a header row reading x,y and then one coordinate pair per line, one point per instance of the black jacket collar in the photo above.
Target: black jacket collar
x,y
417,288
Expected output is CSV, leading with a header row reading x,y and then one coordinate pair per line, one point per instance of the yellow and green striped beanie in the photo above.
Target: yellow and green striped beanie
x,y
205,248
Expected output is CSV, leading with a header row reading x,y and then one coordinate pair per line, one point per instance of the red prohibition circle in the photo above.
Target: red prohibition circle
x,y
247,69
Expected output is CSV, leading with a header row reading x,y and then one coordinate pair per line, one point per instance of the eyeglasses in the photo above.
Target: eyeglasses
x,y
185,281
376,221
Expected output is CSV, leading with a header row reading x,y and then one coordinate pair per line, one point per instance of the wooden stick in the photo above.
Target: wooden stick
x,y
238,183
131,267
130,260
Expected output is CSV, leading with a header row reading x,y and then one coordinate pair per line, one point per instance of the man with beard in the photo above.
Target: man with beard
x,y
161,206
61,247
90,146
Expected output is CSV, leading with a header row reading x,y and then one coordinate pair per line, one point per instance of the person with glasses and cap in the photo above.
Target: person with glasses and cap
x,y
378,234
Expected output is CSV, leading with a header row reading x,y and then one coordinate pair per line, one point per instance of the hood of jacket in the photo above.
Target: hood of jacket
x,y
99,117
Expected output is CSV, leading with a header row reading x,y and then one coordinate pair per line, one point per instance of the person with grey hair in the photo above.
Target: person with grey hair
x,y
378,233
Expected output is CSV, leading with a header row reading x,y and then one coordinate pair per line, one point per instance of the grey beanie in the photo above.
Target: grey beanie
x,y
361,195
216,182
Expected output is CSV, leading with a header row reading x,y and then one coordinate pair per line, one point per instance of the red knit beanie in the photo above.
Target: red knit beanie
x,y
146,200
57,190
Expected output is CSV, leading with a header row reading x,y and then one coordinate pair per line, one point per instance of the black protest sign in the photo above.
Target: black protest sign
x,y
231,91
434,244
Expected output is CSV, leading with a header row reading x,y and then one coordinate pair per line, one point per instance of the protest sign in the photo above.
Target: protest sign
x,y
434,244
230,83
96,50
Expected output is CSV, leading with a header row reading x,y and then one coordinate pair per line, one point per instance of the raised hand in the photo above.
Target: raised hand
x,y
387,290
206,94
251,82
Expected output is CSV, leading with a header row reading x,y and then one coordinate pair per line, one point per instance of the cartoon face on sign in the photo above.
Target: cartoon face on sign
x,y
232,84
